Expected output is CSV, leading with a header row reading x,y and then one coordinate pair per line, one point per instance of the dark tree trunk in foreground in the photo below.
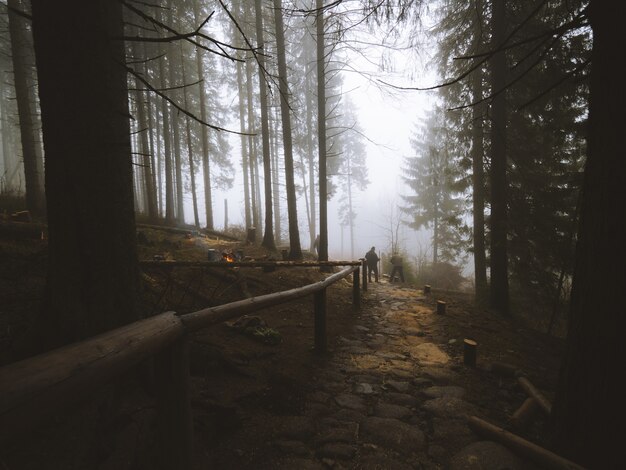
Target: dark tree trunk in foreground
x,y
268,234
589,410
295,251
92,265
499,294
32,165
478,194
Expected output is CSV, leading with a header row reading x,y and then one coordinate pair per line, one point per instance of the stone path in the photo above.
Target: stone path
x,y
388,399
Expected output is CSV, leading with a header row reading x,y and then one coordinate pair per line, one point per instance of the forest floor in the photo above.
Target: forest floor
x,y
391,393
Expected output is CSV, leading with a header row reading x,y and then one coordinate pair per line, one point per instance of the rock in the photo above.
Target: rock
x,y
453,433
448,407
361,328
300,464
398,386
368,379
318,397
439,375
387,410
349,416
336,450
351,402
403,399
486,454
380,462
363,389
449,391
296,428
347,436
293,447
387,432
429,354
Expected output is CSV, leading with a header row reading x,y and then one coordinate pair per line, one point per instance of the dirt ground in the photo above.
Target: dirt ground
x,y
261,396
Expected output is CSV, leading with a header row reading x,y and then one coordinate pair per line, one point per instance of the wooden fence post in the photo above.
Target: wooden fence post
x,y
364,268
356,294
320,321
175,421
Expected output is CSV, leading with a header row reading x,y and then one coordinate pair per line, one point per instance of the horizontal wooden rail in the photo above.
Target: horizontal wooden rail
x,y
248,264
35,387
213,315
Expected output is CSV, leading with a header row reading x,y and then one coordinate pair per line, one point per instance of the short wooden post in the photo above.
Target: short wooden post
x,y
522,416
441,307
356,293
320,321
364,268
426,289
175,422
469,352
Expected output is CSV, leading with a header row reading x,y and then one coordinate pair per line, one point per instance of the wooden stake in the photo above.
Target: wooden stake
x,y
521,417
441,307
426,289
542,401
469,352
539,455
356,292
320,321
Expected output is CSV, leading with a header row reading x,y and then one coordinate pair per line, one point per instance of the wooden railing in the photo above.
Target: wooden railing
x,y
37,387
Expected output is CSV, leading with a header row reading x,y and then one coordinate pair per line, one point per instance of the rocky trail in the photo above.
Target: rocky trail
x,y
392,394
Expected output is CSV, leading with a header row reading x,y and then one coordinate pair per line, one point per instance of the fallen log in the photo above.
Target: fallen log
x,y
542,401
522,447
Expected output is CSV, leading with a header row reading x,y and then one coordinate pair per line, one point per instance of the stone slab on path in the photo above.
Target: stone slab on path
x,y
486,454
392,433
429,354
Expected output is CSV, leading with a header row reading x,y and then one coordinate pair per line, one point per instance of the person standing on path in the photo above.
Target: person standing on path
x,y
372,264
396,262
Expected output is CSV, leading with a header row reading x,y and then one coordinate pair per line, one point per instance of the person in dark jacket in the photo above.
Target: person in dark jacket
x,y
372,264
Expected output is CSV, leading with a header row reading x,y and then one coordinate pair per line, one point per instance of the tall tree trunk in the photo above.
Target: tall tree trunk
x,y
206,162
92,262
589,407
268,234
478,194
275,174
32,164
295,250
244,146
252,148
167,143
321,133
310,148
499,294
144,135
192,168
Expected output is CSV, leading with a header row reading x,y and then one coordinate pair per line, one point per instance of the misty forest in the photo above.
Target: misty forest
x,y
312,234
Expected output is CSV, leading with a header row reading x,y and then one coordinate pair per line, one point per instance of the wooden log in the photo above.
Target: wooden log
x,y
212,315
542,401
469,352
319,304
175,419
356,291
426,289
37,387
522,447
522,416
251,236
441,307
245,264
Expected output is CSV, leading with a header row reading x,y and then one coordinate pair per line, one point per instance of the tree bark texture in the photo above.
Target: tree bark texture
x,y
295,250
589,409
321,130
499,293
268,234
92,266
